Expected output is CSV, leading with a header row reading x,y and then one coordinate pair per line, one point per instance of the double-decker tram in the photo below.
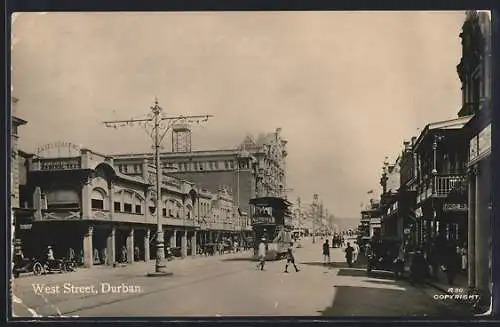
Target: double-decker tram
x,y
271,221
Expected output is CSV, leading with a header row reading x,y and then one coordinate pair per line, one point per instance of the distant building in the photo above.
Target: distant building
x,y
256,168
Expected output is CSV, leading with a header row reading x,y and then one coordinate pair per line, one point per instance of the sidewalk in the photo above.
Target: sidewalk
x,y
442,285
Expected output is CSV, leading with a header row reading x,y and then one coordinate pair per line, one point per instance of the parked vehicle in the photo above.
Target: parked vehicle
x,y
384,256
55,265
419,269
26,265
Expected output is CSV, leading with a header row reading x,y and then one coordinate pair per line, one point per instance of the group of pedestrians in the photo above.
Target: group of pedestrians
x,y
351,253
262,253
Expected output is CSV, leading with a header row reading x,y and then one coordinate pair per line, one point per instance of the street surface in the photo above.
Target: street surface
x,y
230,285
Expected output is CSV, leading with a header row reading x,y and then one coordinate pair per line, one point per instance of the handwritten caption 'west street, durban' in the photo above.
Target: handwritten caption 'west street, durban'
x,y
69,288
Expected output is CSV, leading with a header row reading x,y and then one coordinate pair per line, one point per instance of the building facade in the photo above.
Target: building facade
x,y
392,225
256,168
441,195
407,194
82,202
474,71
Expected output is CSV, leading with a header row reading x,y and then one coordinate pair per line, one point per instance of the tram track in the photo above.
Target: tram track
x,y
189,283
189,279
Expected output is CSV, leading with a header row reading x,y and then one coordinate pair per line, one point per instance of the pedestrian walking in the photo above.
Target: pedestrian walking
x,y
356,252
137,253
71,254
463,253
262,254
290,258
326,253
349,254
123,254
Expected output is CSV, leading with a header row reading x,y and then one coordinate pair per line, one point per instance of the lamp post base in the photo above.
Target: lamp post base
x,y
160,270
160,266
160,274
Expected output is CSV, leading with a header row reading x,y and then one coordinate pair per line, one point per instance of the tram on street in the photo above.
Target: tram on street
x,y
271,221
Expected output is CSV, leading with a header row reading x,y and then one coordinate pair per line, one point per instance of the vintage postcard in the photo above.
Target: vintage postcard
x,y
300,163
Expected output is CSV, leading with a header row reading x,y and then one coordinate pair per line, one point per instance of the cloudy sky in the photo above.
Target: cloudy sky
x,y
346,88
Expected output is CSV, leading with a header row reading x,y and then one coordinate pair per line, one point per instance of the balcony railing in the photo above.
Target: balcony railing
x,y
443,185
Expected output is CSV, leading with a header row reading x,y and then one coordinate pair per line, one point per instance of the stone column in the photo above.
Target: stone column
x,y
173,239
111,202
147,255
86,200
193,245
111,245
184,244
130,246
88,256
482,229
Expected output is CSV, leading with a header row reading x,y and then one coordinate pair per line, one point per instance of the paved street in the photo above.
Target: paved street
x,y
230,285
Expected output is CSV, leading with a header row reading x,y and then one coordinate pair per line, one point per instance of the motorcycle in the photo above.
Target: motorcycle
x,y
25,265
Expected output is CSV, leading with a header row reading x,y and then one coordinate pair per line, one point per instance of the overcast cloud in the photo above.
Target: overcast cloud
x,y
347,88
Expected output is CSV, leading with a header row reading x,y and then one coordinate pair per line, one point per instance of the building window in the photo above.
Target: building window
x,y
118,206
97,199
226,164
125,168
127,202
164,212
216,164
127,207
201,164
231,164
136,168
138,209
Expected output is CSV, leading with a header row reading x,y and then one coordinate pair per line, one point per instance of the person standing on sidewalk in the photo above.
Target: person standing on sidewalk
x,y
463,252
356,252
290,258
349,254
262,254
326,253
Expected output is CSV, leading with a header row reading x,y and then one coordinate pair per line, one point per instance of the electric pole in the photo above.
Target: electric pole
x,y
314,214
158,133
299,213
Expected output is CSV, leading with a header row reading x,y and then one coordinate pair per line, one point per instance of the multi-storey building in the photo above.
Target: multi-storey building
x,y
474,71
391,224
256,168
407,195
370,225
441,196
81,201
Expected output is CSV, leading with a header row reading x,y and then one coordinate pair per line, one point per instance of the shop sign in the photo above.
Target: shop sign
x,y
58,150
263,220
455,207
484,140
25,226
